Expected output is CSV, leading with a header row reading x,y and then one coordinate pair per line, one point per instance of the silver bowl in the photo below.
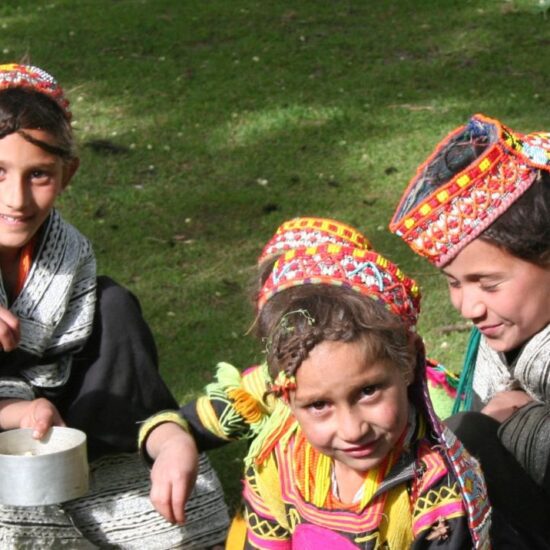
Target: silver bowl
x,y
38,472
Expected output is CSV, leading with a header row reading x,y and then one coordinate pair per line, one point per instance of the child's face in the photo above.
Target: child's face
x,y
506,298
349,408
30,181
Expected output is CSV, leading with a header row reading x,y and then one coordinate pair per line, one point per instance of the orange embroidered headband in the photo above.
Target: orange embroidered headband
x,y
311,231
364,271
452,199
13,75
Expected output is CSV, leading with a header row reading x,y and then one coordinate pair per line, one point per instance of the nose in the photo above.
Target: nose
x,y
352,427
14,191
471,304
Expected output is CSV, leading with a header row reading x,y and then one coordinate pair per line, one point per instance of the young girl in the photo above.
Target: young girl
x,y
479,208
64,359
213,419
350,455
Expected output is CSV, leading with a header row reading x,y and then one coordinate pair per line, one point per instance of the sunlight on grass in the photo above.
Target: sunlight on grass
x,y
248,128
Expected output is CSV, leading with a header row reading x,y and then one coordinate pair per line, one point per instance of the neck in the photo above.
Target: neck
x,y
349,481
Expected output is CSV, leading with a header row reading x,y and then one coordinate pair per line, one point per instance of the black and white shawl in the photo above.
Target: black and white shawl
x,y
55,309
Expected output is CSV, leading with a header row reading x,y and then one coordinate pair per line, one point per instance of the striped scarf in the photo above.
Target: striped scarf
x,y
55,308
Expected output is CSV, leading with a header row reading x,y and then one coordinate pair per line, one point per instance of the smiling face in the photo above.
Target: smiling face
x,y
506,298
30,181
349,408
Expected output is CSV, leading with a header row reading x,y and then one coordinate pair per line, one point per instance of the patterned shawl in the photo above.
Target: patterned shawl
x,y
530,371
55,308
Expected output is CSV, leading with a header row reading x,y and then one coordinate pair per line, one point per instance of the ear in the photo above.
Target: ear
x,y
69,170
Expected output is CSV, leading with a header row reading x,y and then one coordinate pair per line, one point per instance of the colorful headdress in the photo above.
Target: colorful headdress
x,y
364,271
471,178
13,75
311,231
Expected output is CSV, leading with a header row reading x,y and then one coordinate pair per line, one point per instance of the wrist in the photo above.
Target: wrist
x,y
160,428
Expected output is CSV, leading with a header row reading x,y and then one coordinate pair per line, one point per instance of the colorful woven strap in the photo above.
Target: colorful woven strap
x,y
13,75
364,271
311,231
451,199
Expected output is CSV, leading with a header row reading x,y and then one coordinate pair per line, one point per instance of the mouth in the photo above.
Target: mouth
x,y
361,451
14,220
490,331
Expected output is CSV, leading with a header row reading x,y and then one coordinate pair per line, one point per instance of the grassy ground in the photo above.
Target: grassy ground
x,y
223,119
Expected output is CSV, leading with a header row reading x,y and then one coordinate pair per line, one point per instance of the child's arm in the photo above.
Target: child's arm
x,y
38,414
231,408
174,469
228,411
9,330
165,441
525,435
504,404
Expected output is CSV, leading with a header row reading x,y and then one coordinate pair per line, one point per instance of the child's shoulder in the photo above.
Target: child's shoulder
x,y
61,232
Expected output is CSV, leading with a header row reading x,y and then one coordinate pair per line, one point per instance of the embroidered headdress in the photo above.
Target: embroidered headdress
x,y
13,75
311,231
471,178
364,271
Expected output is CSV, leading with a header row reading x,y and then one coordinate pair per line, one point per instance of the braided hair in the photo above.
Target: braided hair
x,y
297,319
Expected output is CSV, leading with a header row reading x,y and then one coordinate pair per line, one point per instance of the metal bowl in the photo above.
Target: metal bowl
x,y
38,472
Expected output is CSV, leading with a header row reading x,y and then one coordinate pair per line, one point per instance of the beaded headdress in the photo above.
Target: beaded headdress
x,y
364,271
473,176
13,75
311,231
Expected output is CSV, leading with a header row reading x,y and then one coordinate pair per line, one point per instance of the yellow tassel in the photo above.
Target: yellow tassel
x,y
245,404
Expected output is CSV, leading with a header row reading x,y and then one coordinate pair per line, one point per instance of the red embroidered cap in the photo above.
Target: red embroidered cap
x,y
364,271
474,175
311,231
13,75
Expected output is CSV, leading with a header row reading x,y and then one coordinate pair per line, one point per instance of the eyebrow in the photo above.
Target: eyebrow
x,y
475,276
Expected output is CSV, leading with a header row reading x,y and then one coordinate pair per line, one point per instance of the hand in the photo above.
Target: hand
x,y
504,404
9,330
40,415
174,471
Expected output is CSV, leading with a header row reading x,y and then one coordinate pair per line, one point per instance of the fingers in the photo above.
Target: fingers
x,y
41,416
171,486
9,330
40,428
174,471
169,500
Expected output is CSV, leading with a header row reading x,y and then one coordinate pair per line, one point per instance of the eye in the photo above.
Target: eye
x,y
317,407
39,177
369,391
489,287
453,283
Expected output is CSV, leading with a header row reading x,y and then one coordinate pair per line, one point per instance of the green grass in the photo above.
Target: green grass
x,y
239,115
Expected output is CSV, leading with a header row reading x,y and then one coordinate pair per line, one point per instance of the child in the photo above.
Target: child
x,y
64,359
350,454
479,209
213,419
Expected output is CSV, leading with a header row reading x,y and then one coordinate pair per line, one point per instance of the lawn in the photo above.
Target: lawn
x,y
203,125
